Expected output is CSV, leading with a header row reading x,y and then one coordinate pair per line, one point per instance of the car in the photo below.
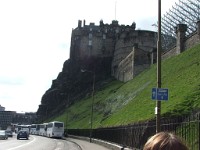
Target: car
x,y
3,135
22,134
9,133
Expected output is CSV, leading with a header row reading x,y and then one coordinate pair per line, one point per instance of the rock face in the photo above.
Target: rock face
x,y
107,50
72,84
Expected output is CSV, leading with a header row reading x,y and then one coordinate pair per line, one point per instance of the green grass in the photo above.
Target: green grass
x,y
121,103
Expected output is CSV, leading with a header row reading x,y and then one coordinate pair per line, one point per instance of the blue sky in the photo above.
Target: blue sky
x,y
35,40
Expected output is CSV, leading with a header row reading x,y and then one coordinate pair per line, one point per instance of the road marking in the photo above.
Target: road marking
x,y
22,145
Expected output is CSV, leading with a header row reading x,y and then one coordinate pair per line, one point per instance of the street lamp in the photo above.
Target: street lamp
x,y
92,105
67,112
158,103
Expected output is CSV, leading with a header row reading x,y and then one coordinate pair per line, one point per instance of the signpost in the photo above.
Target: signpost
x,y
159,47
159,94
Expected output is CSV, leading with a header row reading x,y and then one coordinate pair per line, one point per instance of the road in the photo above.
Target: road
x,y
37,143
44,143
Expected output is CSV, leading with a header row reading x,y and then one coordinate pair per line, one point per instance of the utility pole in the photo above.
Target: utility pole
x,y
92,104
158,102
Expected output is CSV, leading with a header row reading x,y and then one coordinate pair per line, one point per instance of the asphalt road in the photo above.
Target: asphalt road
x,y
37,143
43,143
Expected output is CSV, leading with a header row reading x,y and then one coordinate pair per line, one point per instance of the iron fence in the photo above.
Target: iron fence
x,y
135,135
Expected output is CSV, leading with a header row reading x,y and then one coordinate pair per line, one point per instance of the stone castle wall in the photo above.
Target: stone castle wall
x,y
116,41
125,68
145,41
186,42
133,64
192,40
90,41
131,50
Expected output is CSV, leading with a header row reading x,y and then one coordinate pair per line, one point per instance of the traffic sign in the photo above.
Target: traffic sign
x,y
154,94
159,94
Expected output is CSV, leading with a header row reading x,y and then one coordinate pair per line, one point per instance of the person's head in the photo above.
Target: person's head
x,y
165,141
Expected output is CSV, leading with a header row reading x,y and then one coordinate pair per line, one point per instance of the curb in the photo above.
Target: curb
x,y
74,143
106,144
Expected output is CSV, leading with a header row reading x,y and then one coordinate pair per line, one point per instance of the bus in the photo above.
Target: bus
x,y
22,127
37,129
33,129
43,129
55,129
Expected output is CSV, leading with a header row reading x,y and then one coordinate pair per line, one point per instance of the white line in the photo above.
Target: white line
x,y
22,145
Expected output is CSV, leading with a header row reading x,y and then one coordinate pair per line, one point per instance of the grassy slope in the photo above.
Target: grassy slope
x,y
125,103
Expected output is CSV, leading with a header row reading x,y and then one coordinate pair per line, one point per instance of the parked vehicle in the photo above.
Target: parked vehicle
x,y
22,127
3,135
55,129
34,129
43,129
9,133
22,134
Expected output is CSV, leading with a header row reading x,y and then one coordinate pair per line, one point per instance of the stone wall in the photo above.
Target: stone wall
x,y
183,43
91,40
96,40
144,43
129,65
125,68
133,64
169,53
192,40
117,41
145,40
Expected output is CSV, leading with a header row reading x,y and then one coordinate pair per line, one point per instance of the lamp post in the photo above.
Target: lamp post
x,y
67,112
158,103
92,105
67,115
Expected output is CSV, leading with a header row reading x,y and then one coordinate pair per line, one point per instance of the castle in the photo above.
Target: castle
x,y
106,50
117,50
131,50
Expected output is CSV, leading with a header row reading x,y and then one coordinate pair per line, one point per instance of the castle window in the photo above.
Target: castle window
x,y
117,30
90,36
106,30
104,36
90,43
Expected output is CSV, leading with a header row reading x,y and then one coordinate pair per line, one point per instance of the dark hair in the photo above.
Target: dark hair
x,y
165,141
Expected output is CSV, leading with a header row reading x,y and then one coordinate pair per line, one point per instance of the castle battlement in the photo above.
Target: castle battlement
x,y
110,40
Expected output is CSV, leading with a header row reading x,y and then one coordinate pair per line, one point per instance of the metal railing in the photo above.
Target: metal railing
x,y
135,136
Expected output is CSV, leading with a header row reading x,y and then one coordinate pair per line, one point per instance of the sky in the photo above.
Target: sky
x,y
35,37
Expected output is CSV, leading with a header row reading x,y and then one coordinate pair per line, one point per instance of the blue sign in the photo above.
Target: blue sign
x,y
159,94
154,94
